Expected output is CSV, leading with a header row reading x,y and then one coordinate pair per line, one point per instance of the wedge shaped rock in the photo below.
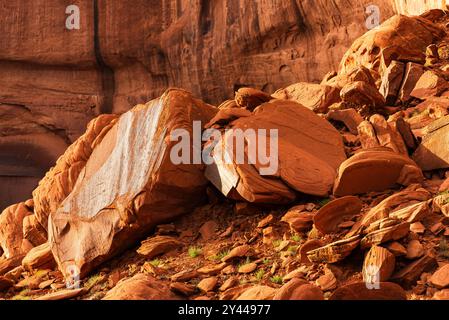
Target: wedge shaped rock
x,y
385,234
316,97
130,183
334,252
39,258
408,276
391,81
379,265
430,84
433,152
375,169
360,94
159,245
404,199
413,72
308,155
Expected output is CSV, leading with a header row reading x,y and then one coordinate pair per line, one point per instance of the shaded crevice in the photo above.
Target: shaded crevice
x,y
107,73
300,20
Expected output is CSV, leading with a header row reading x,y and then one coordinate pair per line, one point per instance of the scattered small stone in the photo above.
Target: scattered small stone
x,y
184,276
417,228
208,229
248,268
397,249
228,284
208,284
415,250
437,228
238,252
183,289
157,246
440,279
327,282
265,222
63,295
212,269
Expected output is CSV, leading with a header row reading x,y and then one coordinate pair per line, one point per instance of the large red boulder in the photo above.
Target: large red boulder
x,y
309,151
129,184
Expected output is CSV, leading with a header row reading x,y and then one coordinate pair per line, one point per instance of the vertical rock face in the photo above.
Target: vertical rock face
x,y
55,80
49,90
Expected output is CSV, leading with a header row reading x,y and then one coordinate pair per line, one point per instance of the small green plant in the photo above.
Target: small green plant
x,y
259,274
41,273
293,249
194,252
92,281
23,295
276,279
156,262
247,261
445,193
296,238
132,269
277,243
266,261
220,255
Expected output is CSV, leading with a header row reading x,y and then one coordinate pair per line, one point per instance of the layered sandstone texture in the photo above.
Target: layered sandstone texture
x,y
55,80
358,197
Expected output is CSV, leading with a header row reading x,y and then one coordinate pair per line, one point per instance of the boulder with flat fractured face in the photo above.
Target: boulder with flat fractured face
x,y
392,81
433,152
375,169
60,180
316,97
130,183
378,265
309,151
